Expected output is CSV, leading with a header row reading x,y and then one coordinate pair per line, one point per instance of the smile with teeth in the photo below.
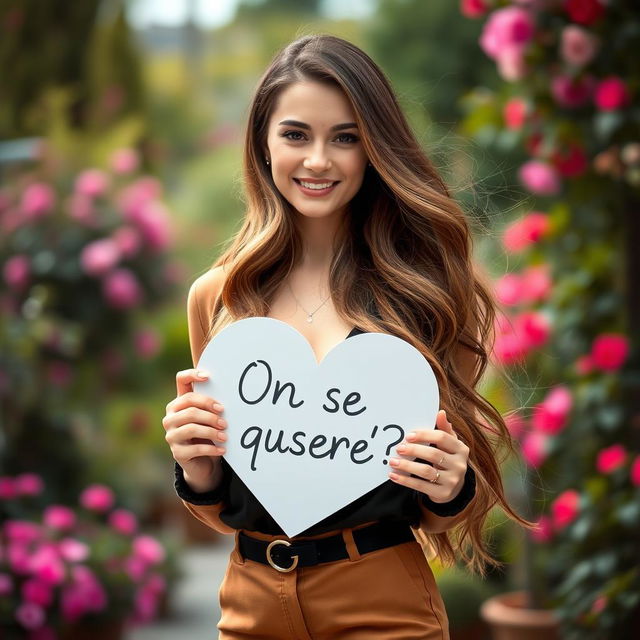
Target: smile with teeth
x,y
313,185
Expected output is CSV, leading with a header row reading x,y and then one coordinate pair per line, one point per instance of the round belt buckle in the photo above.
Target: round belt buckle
x,y
273,564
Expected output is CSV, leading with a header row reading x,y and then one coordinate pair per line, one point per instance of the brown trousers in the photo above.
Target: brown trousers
x,y
388,594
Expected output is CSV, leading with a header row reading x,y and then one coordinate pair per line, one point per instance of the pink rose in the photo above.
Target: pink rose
x,y
611,458
81,208
29,484
550,416
127,240
148,549
536,283
540,178
578,46
46,564
571,161
511,64
611,94
535,446
99,257
17,271
509,348
525,231
123,521
73,550
509,289
584,11
507,27
152,219
22,531
565,508
92,183
38,592
8,489
59,517
635,472
138,193
571,92
514,113
97,497
121,289
38,199
609,351
124,161
533,327
473,8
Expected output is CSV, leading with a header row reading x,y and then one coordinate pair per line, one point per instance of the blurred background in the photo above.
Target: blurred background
x,y
121,128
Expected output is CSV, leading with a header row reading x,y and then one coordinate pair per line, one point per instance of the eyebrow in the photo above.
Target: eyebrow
x,y
304,125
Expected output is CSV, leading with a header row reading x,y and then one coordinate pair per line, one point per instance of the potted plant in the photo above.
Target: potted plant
x,y
75,571
569,302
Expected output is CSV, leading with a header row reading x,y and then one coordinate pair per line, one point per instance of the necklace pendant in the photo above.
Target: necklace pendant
x,y
309,318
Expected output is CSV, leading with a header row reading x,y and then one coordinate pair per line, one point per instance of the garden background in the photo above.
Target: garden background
x,y
120,181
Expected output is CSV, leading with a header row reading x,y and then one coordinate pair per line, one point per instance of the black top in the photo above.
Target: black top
x,y
388,501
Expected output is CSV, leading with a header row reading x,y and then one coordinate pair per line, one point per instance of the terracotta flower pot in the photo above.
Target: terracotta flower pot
x,y
509,619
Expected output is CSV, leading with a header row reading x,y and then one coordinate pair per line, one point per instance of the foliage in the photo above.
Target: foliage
x,y
566,102
61,565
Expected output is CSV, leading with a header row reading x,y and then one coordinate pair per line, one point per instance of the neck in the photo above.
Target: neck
x,y
319,236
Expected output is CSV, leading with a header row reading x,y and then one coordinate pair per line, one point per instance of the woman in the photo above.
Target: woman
x,y
348,229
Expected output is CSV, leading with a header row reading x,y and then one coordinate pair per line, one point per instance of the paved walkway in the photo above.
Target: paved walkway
x,y
195,611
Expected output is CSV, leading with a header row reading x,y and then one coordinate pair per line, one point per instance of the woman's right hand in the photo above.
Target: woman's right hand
x,y
195,432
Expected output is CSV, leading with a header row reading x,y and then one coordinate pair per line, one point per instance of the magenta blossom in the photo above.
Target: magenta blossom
x,y
59,517
526,231
97,497
514,113
565,508
611,458
535,448
611,94
30,615
73,550
8,489
152,219
473,8
584,11
17,271
147,343
509,289
148,549
509,348
508,28
578,46
536,283
92,183
635,472
584,365
571,93
609,351
22,531
540,178
38,199
99,257
533,327
47,565
38,592
123,521
121,289
550,416
128,241
6,584
29,484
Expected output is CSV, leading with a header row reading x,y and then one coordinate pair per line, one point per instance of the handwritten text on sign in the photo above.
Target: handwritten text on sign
x,y
308,439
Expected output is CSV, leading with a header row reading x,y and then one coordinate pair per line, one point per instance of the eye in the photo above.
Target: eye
x,y
350,137
286,134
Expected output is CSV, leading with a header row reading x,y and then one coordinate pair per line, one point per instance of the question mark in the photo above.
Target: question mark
x,y
395,442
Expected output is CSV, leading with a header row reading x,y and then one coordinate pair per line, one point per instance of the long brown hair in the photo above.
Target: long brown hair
x,y
403,266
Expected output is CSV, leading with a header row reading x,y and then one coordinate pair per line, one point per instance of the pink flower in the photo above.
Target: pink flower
x,y
30,616
38,199
509,289
565,508
635,472
123,521
80,208
97,497
611,94
148,549
59,517
584,11
99,257
127,240
121,289
92,183
533,328
18,558
571,92
152,219
7,488
544,530
611,458
38,592
46,564
535,446
540,178
17,271
135,567
514,113
6,584
509,348
29,484
536,283
511,64
525,231
550,416
84,594
21,531
599,604
124,161
138,193
473,8
508,27
147,343
571,161
609,351
578,46
73,550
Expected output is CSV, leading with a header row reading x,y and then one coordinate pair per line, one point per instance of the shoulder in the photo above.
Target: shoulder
x,y
204,291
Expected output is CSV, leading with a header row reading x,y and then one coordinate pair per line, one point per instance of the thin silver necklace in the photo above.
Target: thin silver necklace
x,y
309,315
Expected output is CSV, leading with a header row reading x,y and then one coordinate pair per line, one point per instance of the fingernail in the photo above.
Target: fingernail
x,y
401,448
202,374
411,435
217,407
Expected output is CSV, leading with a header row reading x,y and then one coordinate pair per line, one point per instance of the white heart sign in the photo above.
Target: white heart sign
x,y
319,434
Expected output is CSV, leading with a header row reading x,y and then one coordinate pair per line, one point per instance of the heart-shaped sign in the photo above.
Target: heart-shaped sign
x,y
308,438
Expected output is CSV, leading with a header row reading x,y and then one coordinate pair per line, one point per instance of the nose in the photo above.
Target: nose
x,y
318,160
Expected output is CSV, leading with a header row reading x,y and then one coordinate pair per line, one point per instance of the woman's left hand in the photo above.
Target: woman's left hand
x,y
442,481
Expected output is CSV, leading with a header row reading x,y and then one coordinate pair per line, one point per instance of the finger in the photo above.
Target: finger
x,y
186,378
440,439
424,471
442,423
194,434
194,399
434,491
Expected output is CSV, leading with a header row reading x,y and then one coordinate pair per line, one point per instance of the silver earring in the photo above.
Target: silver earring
x,y
267,160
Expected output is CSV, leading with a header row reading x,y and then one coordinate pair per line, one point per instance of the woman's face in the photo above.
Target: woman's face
x,y
312,137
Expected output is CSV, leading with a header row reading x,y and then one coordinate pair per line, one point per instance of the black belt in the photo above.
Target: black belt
x,y
285,556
